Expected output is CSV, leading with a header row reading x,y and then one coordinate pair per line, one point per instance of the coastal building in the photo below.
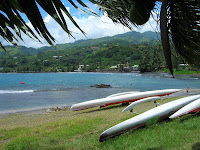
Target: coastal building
x,y
124,68
82,68
114,67
135,68
184,66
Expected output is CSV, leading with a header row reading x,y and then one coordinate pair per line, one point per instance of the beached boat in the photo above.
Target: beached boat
x,y
152,115
124,93
191,107
131,106
124,98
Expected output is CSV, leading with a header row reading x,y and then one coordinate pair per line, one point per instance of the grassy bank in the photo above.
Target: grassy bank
x,y
81,130
182,72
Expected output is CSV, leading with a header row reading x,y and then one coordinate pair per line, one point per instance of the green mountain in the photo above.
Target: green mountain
x,y
120,39
16,51
129,48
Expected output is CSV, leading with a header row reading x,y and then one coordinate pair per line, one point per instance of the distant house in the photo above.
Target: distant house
x,y
135,67
184,66
113,67
82,68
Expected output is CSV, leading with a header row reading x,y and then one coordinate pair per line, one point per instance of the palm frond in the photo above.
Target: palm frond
x,y
36,19
165,35
117,10
185,29
12,24
127,12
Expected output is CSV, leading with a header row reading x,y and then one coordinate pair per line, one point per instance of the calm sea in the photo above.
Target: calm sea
x,y
43,90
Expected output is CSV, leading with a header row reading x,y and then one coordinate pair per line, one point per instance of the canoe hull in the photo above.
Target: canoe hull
x,y
153,115
121,99
191,107
131,106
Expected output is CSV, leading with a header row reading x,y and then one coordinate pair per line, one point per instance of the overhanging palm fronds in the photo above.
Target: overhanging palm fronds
x,y
12,24
164,18
127,12
185,29
117,10
12,21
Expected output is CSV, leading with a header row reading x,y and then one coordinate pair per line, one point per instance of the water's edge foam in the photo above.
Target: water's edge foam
x,y
15,91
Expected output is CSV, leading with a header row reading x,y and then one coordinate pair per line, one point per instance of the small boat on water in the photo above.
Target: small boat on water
x,y
124,98
22,82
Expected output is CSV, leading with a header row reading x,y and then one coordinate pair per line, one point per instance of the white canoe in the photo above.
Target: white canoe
x,y
131,106
119,94
191,107
140,120
121,99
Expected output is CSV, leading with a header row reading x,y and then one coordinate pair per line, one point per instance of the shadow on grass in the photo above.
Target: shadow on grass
x,y
156,148
196,146
197,114
103,108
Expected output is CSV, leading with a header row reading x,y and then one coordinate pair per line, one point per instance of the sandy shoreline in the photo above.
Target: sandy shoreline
x,y
30,111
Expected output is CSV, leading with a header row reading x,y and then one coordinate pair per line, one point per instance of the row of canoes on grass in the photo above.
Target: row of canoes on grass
x,y
170,110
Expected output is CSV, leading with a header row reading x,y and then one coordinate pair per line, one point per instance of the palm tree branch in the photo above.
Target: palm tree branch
x,y
10,10
165,35
36,19
118,11
185,29
54,11
86,7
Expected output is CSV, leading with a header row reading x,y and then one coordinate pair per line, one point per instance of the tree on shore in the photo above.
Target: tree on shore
x,y
178,19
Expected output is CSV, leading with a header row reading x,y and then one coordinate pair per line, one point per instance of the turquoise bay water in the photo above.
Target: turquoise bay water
x,y
43,90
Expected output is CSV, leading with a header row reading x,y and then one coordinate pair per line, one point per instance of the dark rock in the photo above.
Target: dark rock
x,y
101,86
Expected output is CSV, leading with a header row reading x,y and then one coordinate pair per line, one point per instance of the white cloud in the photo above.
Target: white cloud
x,y
94,27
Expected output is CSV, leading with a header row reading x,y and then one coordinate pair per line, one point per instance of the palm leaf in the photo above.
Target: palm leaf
x,y
12,24
36,19
165,35
117,10
185,29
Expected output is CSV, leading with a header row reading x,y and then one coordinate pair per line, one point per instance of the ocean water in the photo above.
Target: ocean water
x,y
44,90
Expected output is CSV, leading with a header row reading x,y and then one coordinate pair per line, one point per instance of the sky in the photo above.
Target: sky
x,y
93,26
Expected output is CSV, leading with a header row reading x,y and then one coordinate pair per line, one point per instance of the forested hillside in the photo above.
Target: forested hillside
x,y
132,48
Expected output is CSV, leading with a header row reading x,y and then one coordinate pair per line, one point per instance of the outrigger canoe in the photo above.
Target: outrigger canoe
x,y
131,106
152,115
191,107
124,98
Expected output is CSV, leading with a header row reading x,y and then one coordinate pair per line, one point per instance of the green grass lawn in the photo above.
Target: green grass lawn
x,y
179,72
81,130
